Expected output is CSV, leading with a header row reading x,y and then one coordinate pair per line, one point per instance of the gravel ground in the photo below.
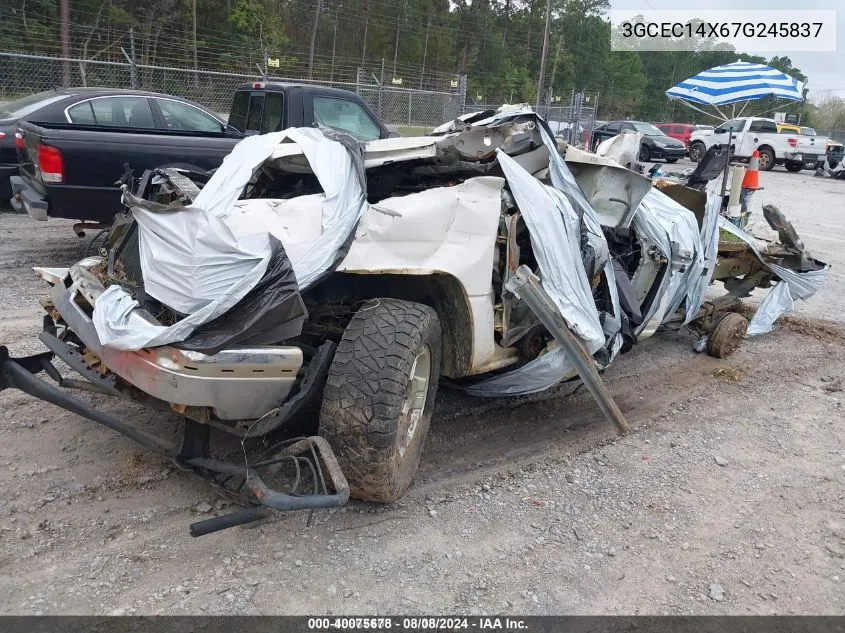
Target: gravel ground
x,y
726,497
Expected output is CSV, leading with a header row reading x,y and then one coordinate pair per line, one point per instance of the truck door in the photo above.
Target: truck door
x,y
758,133
722,133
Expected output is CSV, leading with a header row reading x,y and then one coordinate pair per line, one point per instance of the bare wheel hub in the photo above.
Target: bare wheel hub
x,y
413,405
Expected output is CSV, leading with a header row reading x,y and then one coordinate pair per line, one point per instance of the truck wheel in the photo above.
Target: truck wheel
x,y
696,152
793,165
379,396
767,159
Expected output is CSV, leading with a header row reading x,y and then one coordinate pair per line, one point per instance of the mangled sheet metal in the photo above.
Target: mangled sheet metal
x,y
194,263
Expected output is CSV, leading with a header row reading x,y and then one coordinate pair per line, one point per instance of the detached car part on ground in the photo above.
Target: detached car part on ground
x,y
314,283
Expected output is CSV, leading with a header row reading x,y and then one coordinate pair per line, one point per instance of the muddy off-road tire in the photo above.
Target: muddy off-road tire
x,y
379,396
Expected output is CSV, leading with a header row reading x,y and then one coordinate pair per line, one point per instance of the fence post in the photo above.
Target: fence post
x,y
381,90
462,93
409,109
133,67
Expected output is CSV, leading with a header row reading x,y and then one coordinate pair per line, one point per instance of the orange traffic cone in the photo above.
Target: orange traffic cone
x,y
752,174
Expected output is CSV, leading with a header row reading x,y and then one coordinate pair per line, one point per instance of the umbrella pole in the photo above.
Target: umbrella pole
x,y
727,162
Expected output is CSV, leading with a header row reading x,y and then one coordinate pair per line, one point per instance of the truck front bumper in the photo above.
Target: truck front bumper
x,y
237,384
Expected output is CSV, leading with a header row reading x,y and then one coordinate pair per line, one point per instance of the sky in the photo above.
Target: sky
x,y
826,71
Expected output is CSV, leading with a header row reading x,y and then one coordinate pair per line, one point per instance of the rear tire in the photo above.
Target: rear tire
x,y
645,154
379,396
767,159
793,166
696,152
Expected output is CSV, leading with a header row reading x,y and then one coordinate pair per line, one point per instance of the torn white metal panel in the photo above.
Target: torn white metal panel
x,y
228,182
777,302
623,148
613,191
295,222
445,229
195,264
391,150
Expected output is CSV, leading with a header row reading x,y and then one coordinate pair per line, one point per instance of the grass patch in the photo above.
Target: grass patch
x,y
412,130
727,373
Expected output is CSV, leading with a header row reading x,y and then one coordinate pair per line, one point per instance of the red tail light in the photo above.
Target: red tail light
x,y
258,85
19,141
793,141
2,135
50,164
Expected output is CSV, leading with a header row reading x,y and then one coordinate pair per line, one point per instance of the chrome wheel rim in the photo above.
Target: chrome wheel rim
x,y
413,404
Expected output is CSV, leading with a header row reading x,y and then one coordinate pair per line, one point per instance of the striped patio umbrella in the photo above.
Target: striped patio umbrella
x,y
732,83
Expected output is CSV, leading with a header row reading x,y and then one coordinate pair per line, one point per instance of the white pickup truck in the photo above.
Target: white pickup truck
x,y
755,133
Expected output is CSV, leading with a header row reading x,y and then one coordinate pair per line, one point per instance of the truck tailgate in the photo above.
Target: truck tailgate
x,y
808,147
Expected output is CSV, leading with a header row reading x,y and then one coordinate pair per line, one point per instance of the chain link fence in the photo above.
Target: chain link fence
x,y
413,111
835,135
406,110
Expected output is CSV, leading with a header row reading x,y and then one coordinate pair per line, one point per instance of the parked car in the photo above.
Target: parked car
x,y
655,144
760,134
11,114
681,131
73,153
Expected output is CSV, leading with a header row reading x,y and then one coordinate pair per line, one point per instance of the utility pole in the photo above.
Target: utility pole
x,y
396,46
364,49
554,66
541,78
314,26
425,52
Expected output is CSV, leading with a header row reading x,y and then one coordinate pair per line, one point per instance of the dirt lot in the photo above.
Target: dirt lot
x,y
727,497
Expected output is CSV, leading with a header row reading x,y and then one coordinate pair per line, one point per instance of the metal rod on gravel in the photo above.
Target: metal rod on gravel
x,y
526,285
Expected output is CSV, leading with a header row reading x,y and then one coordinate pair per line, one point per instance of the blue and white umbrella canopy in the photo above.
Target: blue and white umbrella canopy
x,y
732,83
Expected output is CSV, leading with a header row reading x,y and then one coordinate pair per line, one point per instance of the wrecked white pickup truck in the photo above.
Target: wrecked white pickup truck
x,y
314,283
